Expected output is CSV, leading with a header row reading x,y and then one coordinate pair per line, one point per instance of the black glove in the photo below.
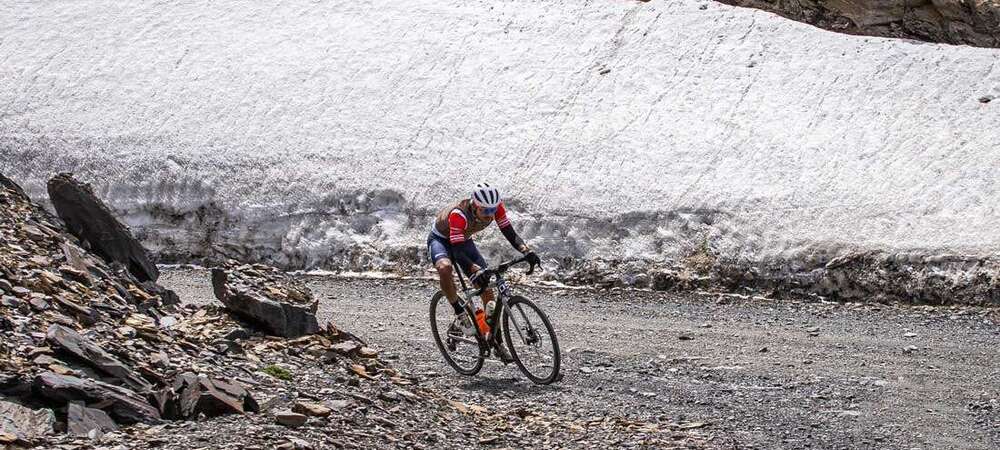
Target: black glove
x,y
532,258
481,278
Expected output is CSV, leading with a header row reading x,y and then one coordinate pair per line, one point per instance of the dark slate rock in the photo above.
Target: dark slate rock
x,y
10,184
73,343
26,424
81,420
89,219
278,317
167,296
192,395
125,406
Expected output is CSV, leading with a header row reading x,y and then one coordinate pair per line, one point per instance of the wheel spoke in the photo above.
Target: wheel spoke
x,y
460,351
532,342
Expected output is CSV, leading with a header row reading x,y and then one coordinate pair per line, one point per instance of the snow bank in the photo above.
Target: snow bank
x,y
326,134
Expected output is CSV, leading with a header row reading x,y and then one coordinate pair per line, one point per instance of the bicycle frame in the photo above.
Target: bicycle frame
x,y
504,293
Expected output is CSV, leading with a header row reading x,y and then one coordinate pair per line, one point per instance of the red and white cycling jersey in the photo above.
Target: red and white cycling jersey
x,y
458,222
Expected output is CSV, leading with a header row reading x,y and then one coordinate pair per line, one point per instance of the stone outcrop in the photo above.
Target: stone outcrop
x,y
265,296
96,347
968,22
90,220
88,422
192,395
21,425
72,343
124,405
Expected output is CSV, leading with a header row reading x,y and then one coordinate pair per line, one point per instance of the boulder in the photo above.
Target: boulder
x,y
167,297
290,419
10,184
265,297
83,421
192,395
90,220
125,406
311,409
25,424
80,347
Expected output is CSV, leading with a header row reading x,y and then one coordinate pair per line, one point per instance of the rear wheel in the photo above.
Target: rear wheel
x,y
531,340
461,352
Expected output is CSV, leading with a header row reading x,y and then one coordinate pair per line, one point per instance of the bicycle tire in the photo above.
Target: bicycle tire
x,y
468,371
516,302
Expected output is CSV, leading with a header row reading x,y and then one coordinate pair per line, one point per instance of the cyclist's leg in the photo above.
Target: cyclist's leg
x,y
438,253
480,263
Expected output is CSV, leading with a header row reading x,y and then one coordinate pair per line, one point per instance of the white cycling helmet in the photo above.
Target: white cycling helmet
x,y
486,196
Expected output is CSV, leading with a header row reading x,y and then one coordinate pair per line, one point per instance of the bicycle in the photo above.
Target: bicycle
x,y
467,354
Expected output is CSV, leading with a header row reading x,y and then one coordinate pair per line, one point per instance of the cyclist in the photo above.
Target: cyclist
x,y
452,235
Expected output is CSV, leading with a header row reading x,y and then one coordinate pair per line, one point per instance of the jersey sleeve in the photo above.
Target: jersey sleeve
x,y
501,216
456,227
507,229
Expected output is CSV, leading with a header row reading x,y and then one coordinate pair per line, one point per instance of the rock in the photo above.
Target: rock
x,y
237,334
986,99
20,291
25,424
290,419
5,286
125,406
685,337
168,322
345,347
167,297
38,304
10,302
82,421
311,409
961,22
73,343
228,347
763,350
86,316
44,360
909,335
90,220
910,349
279,317
10,184
338,405
292,443
193,395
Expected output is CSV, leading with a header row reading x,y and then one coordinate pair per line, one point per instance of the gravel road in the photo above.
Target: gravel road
x,y
750,372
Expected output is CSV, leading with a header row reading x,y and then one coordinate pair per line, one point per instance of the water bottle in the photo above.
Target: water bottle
x,y
477,305
490,308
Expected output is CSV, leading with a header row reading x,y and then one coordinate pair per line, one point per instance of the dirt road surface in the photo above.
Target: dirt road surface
x,y
749,371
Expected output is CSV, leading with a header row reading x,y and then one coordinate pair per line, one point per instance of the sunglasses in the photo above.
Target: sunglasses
x,y
487,211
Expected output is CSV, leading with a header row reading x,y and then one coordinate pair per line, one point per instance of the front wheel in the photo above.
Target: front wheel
x,y
462,353
531,340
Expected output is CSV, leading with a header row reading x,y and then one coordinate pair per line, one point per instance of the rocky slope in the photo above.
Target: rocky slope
x,y
962,22
90,356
